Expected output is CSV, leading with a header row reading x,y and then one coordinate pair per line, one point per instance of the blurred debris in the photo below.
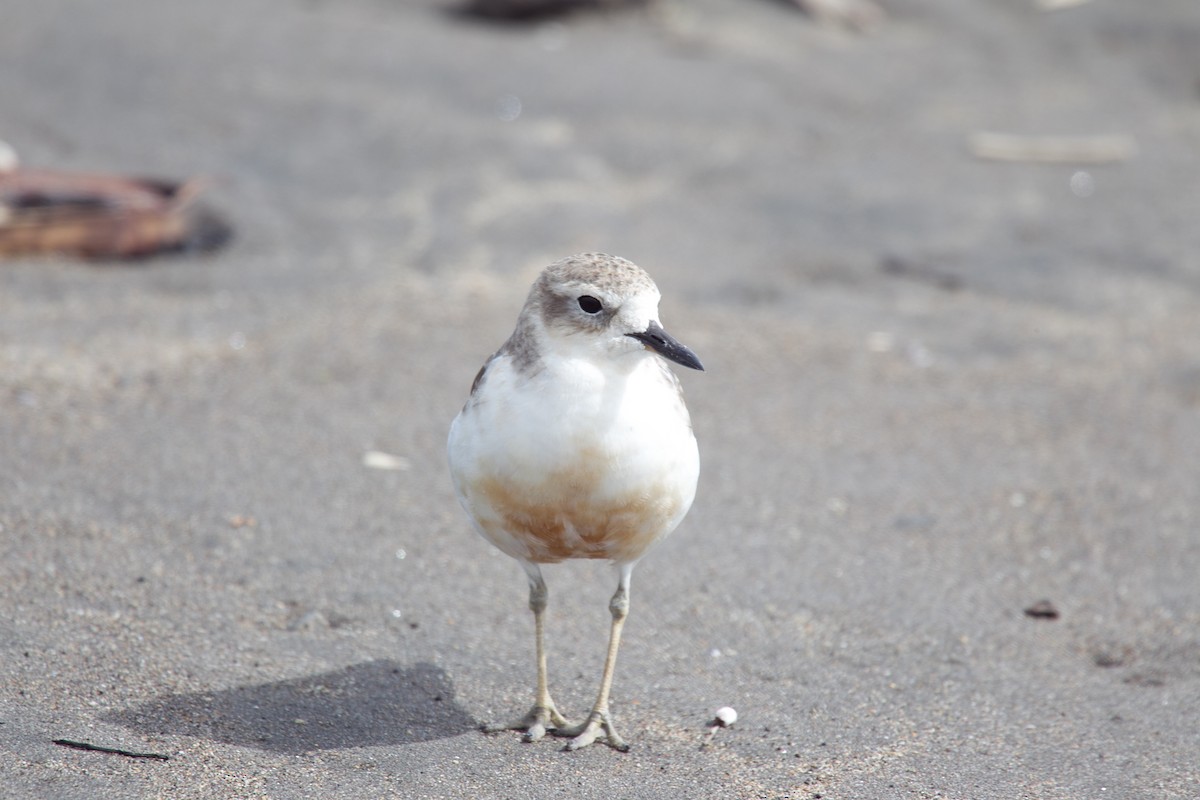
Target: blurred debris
x,y
1042,609
881,341
858,15
308,622
1096,149
531,10
913,269
1059,5
376,459
102,216
8,157
1111,654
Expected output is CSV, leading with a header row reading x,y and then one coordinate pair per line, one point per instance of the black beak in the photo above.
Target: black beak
x,y
667,346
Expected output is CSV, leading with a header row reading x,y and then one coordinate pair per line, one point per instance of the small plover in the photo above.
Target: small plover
x,y
576,443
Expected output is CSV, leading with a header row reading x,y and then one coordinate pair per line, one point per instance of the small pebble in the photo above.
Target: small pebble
x,y
376,459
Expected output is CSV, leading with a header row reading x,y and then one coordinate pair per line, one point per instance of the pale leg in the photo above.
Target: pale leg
x,y
543,716
598,722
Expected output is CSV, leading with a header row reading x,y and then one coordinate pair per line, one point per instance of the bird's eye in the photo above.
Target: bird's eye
x,y
590,304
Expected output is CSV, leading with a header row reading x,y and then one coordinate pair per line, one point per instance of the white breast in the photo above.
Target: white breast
x,y
578,461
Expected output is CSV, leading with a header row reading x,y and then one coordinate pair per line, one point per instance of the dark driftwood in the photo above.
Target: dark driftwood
x,y
100,216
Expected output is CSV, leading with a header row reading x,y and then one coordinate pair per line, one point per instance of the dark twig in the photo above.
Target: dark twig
x,y
1042,609
114,750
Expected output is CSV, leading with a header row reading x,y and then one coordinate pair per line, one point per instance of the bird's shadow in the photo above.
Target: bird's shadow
x,y
376,703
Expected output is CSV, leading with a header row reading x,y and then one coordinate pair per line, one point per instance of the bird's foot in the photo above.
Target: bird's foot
x,y
597,725
535,724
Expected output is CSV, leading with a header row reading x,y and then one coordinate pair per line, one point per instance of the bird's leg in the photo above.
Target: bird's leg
x,y
598,722
544,715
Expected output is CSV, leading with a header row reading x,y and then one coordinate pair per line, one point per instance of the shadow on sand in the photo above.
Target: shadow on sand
x,y
376,703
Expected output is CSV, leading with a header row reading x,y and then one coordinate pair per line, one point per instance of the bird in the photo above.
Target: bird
x,y
575,443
